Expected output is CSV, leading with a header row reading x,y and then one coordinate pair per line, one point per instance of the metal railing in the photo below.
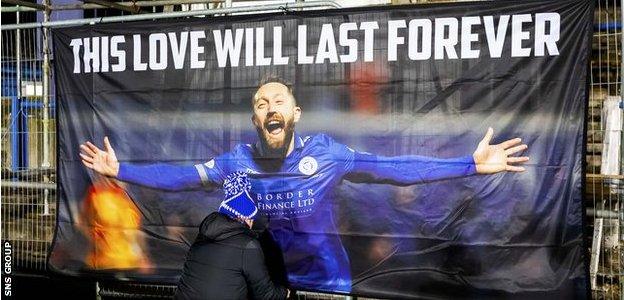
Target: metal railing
x,y
179,14
28,148
604,181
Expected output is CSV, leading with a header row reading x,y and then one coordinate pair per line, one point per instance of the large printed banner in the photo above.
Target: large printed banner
x,y
412,151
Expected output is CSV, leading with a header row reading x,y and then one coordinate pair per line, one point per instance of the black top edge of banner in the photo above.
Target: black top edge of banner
x,y
290,12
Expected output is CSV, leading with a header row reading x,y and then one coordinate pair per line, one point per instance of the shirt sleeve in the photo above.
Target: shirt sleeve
x,y
400,170
173,177
214,171
160,176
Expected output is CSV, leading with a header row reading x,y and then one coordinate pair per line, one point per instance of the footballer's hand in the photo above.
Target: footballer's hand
x,y
491,159
102,161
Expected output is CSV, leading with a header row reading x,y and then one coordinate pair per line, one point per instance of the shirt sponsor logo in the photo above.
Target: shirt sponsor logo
x,y
292,203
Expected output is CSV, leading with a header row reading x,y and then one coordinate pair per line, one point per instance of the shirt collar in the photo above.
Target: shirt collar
x,y
298,141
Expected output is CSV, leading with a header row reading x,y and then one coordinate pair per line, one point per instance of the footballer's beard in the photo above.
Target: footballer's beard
x,y
276,145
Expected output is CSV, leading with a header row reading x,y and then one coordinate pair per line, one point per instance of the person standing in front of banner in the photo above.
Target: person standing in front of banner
x,y
294,180
226,260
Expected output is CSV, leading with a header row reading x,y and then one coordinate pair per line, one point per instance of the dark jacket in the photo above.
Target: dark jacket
x,y
226,262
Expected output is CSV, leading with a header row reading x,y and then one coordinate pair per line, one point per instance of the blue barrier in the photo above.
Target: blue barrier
x,y
14,129
19,130
607,26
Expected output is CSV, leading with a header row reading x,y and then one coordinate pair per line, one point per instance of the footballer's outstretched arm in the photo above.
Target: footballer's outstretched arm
x,y
159,176
413,169
407,169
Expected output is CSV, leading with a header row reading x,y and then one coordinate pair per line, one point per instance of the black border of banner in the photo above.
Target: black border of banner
x,y
292,14
584,217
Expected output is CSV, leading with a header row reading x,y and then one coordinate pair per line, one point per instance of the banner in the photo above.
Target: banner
x,y
407,151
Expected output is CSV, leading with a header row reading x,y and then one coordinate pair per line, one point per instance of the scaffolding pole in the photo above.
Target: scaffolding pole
x,y
622,85
25,3
141,3
179,14
46,105
621,201
18,64
46,88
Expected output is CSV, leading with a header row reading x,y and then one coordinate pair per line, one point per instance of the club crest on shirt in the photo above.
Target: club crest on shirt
x,y
308,165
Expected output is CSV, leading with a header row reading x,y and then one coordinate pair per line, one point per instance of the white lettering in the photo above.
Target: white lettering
x,y
345,41
158,51
91,54
138,65
196,50
228,46
543,40
495,38
75,44
468,37
517,36
249,47
415,26
104,54
369,33
302,46
260,59
445,44
120,55
394,40
278,59
178,49
327,45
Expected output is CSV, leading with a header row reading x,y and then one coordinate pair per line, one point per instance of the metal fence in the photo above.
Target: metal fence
x,y
28,148
28,156
604,181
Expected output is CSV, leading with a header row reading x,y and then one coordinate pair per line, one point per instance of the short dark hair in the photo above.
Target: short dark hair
x,y
274,78
271,78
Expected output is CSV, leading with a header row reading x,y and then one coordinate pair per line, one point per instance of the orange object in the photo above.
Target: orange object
x,y
114,228
365,87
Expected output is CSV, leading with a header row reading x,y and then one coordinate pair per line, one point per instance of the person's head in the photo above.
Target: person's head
x,y
275,113
247,220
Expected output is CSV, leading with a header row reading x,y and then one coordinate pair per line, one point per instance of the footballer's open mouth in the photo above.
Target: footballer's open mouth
x,y
274,126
